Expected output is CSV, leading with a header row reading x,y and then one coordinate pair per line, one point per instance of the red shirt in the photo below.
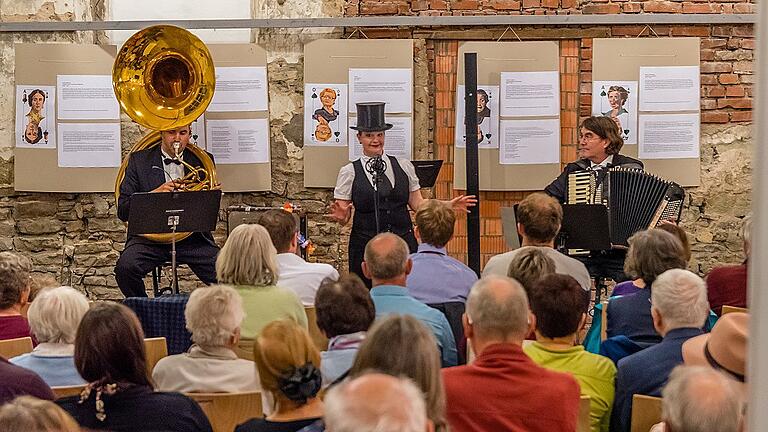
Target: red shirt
x,y
504,390
14,326
727,286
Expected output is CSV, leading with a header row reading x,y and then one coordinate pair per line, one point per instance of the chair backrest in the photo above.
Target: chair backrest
x,y
15,347
321,342
584,420
604,316
66,391
227,410
646,412
729,309
156,349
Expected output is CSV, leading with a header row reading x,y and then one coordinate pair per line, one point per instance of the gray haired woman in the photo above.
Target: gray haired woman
x,y
54,317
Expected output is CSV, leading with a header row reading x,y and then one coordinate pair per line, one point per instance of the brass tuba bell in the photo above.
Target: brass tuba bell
x,y
164,79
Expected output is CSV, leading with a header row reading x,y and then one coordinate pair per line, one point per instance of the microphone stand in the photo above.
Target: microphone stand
x,y
376,167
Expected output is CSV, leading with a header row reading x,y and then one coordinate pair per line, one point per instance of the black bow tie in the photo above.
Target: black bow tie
x,y
169,161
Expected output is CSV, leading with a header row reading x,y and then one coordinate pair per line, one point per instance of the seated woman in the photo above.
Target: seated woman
x,y
401,346
213,315
289,369
14,294
110,356
651,253
26,413
248,261
54,317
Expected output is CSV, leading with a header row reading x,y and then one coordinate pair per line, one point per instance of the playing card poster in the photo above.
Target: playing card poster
x,y
325,115
35,116
487,117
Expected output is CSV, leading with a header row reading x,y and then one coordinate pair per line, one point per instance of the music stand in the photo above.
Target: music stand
x,y
172,212
509,227
585,226
427,171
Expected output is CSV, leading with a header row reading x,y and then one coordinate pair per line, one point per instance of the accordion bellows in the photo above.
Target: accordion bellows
x,y
635,199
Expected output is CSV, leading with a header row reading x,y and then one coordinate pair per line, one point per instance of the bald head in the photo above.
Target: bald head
x,y
701,399
497,309
386,257
375,402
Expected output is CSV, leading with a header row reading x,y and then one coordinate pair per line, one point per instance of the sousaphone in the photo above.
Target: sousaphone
x,y
164,79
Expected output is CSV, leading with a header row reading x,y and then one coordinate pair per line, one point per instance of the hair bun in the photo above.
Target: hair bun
x,y
300,383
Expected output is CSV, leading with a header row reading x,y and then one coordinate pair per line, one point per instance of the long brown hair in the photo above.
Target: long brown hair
x,y
109,346
400,345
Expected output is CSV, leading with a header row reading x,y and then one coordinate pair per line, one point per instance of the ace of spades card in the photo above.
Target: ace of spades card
x,y
325,115
487,117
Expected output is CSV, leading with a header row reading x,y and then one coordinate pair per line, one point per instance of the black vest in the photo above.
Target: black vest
x,y
393,203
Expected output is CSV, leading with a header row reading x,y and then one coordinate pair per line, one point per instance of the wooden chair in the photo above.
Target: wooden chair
x,y
227,410
321,342
156,349
583,424
66,391
14,347
646,412
729,309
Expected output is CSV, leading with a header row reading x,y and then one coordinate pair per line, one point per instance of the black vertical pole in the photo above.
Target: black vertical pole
x,y
473,182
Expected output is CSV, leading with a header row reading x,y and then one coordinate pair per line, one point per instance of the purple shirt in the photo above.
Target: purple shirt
x,y
625,288
437,277
17,381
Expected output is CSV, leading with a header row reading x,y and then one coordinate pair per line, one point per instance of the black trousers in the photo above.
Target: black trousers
x,y
357,251
139,258
606,264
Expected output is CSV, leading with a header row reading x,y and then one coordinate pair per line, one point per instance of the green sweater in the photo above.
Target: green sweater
x,y
596,375
264,304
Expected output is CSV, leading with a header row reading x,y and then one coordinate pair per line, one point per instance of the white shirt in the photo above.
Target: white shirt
x,y
302,277
499,265
346,176
210,370
603,164
175,171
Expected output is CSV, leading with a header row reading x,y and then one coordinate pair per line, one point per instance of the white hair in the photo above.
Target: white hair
x,y
680,297
700,399
399,407
213,314
497,307
746,233
55,314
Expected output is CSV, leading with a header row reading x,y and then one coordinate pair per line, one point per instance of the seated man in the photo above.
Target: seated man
x,y
147,171
538,221
560,307
727,285
679,309
503,389
344,311
387,264
297,275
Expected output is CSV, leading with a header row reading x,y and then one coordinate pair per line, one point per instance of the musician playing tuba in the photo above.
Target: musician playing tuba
x,y
164,93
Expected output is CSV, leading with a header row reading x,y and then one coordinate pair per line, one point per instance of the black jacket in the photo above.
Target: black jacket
x,y
559,187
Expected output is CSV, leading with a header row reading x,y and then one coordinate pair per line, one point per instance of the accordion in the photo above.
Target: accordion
x,y
635,199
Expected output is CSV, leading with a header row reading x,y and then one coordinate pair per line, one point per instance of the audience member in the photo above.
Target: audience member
x,y
401,346
17,381
651,253
289,369
387,264
727,285
530,265
680,307
724,349
699,399
344,313
299,276
538,221
28,414
375,402
110,356
633,286
213,316
14,294
503,389
560,307
248,261
437,277
54,317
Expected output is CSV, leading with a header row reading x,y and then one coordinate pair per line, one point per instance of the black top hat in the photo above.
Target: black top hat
x,y
370,117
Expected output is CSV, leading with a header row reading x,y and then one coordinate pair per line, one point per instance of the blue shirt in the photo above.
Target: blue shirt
x,y
55,371
341,353
392,299
437,277
646,372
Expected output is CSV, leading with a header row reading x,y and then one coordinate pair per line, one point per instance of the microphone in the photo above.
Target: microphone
x,y
376,165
